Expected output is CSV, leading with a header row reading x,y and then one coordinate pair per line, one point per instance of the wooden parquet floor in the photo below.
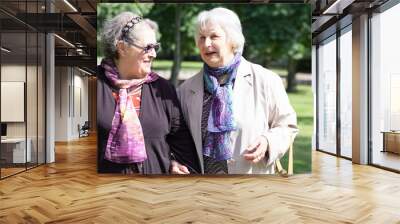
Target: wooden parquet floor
x,y
70,191
10,171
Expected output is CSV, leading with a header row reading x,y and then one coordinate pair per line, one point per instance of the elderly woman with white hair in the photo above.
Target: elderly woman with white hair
x,y
141,128
238,112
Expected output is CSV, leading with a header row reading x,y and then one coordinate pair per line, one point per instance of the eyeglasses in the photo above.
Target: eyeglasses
x,y
147,48
130,25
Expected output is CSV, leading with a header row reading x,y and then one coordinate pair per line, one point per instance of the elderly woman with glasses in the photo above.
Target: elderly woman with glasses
x,y
238,112
140,125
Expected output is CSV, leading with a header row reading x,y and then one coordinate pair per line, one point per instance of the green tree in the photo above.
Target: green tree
x,y
277,32
176,23
274,33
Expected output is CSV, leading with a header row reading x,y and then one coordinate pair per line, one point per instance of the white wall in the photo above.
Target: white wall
x,y
71,94
61,103
80,101
33,126
16,73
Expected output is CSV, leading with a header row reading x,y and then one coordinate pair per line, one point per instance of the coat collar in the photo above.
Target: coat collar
x,y
245,71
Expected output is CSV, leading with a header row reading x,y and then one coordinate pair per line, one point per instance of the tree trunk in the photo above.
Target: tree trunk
x,y
291,76
176,67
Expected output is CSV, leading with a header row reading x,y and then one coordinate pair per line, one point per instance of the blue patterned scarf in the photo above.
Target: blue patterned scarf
x,y
221,122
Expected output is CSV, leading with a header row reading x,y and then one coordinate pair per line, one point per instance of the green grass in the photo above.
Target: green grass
x,y
302,102
282,72
197,65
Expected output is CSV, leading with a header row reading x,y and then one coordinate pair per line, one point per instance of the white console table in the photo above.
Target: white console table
x,y
18,149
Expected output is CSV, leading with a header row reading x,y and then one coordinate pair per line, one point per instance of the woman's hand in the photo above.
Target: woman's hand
x,y
177,168
256,151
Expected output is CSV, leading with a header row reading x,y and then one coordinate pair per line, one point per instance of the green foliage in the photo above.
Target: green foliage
x,y
274,33
164,15
302,102
107,11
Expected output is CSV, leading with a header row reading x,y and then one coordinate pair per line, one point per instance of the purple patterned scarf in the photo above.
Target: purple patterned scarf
x,y
221,122
126,141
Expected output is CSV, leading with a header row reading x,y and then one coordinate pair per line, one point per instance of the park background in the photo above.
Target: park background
x,y
277,36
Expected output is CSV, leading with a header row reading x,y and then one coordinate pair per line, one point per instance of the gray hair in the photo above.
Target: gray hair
x,y
229,22
112,32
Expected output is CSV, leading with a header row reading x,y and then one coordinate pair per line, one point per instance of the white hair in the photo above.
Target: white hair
x,y
112,32
229,22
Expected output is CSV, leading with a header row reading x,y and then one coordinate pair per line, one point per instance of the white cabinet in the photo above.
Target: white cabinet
x,y
17,146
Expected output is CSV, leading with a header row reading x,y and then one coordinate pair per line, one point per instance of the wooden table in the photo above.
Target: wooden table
x,y
391,141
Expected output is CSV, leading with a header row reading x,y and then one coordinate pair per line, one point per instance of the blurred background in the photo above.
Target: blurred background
x,y
277,36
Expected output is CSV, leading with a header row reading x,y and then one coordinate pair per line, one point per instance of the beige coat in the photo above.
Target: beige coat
x,y
260,107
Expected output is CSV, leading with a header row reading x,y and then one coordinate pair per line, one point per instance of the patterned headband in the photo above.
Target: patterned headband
x,y
130,25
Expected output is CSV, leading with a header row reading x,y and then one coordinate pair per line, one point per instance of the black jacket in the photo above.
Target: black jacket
x,y
164,129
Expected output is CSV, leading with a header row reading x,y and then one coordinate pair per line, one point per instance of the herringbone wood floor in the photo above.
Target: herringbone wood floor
x,y
70,191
